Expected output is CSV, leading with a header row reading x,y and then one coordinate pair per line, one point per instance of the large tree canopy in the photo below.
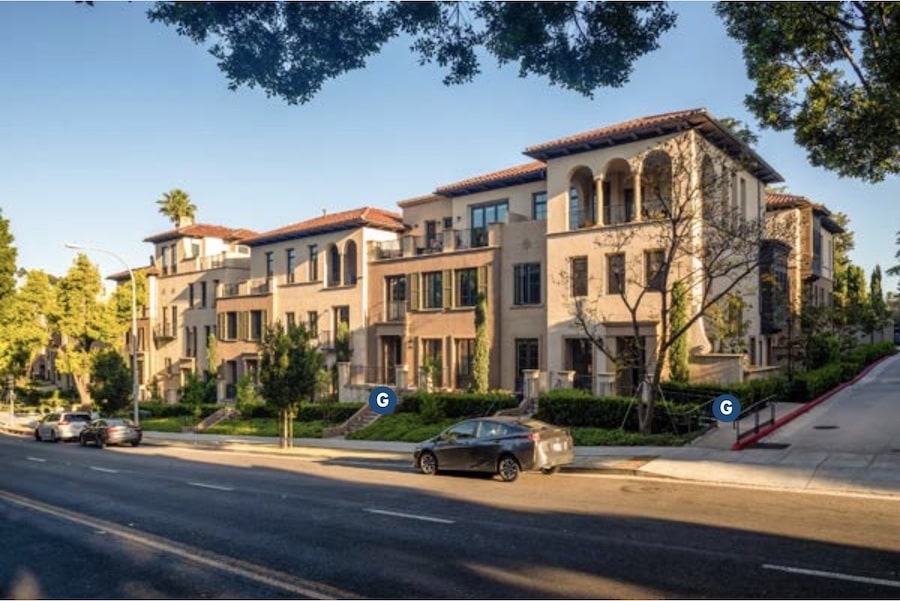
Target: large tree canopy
x,y
290,49
829,71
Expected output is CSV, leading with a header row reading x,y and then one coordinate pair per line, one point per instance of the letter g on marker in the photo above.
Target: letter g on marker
x,y
726,408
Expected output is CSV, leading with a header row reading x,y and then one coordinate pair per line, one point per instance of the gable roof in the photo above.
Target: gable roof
x,y
520,174
124,276
657,125
363,217
202,230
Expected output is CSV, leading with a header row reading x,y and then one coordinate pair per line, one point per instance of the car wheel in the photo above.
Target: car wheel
x,y
37,435
508,468
53,437
82,441
428,464
99,442
135,443
549,471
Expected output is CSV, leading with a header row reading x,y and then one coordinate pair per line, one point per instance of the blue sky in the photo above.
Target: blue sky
x,y
104,111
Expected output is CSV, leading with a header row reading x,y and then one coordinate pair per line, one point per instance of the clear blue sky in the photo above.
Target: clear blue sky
x,y
103,111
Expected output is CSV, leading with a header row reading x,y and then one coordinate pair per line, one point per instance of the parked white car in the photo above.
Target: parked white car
x,y
62,425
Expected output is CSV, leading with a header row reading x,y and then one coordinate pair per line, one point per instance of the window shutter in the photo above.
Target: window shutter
x,y
483,275
413,291
220,325
244,325
448,288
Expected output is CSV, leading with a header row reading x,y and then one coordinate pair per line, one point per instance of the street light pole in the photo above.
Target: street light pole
x,y
135,387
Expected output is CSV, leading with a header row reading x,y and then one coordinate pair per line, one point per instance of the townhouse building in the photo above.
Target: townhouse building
x,y
583,220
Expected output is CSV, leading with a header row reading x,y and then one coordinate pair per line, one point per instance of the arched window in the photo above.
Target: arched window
x,y
618,184
582,199
350,263
656,186
334,266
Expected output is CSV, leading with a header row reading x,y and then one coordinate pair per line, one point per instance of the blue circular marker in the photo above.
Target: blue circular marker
x,y
382,400
726,408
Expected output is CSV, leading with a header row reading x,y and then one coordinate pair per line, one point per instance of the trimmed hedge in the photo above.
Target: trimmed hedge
x,y
332,413
578,409
178,409
456,404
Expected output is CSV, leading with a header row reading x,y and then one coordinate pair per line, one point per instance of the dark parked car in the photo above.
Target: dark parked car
x,y
501,445
111,431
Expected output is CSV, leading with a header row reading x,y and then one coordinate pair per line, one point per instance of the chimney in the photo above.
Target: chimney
x,y
324,212
185,220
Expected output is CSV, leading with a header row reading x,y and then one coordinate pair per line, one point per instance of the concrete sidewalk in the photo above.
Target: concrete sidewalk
x,y
781,469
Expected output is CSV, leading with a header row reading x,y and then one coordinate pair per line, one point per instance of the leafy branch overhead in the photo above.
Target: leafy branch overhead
x,y
290,49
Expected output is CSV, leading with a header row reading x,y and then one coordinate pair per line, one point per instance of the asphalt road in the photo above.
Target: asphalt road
x,y
863,418
165,522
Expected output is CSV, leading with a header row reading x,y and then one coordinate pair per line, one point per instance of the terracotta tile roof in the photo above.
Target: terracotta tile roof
x,y
202,230
778,200
363,217
520,174
124,276
657,125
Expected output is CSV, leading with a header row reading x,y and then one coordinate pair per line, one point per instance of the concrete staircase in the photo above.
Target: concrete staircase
x,y
357,421
222,415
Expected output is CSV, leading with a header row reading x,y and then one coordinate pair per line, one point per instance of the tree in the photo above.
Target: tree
x,y
878,313
482,357
678,351
11,351
290,49
288,373
110,384
33,317
895,270
177,206
85,323
8,255
703,242
829,71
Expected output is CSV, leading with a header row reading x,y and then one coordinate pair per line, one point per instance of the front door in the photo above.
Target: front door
x,y
579,359
391,357
631,362
526,358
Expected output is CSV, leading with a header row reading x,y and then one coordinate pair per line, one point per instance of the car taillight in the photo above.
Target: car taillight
x,y
535,436
64,423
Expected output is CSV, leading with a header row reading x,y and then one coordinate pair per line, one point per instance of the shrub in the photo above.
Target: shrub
x,y
576,408
458,405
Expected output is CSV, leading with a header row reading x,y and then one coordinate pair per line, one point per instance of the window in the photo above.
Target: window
x,y
615,270
574,209
743,192
203,295
539,206
463,430
257,322
207,332
527,284
174,252
165,260
654,270
466,287
231,326
313,262
174,319
484,215
448,223
341,318
270,265
312,322
290,319
334,266
431,236
291,257
433,290
190,296
350,263
579,276
188,350
432,359
465,352
396,297
215,291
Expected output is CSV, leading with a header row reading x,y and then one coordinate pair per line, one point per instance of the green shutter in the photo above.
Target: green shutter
x,y
448,288
244,325
413,291
483,274
220,326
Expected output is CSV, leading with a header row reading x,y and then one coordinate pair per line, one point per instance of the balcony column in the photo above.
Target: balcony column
x,y
638,200
401,377
598,192
343,370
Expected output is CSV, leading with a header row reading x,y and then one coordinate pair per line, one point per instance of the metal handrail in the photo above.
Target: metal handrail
x,y
756,424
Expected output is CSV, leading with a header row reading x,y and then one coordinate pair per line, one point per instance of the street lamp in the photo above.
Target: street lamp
x,y
135,388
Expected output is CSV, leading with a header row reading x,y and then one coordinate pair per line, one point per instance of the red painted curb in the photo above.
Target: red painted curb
x,y
741,445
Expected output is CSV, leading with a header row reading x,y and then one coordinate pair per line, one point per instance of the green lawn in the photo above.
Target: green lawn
x,y
167,424
406,427
596,437
267,426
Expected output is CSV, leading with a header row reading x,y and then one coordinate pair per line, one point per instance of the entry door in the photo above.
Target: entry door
x,y
632,362
526,358
581,361
391,357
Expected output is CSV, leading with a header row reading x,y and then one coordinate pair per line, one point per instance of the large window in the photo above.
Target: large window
x,y
527,284
579,276
313,262
270,265
231,326
539,206
203,294
433,359
654,269
466,287
257,323
484,215
465,353
291,257
334,266
396,297
615,273
433,290
312,323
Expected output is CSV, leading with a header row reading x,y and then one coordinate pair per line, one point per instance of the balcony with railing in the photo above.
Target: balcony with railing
x,y
164,331
225,260
443,242
255,287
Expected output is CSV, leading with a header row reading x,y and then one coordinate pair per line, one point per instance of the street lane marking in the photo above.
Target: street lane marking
x,y
237,567
835,575
38,459
104,469
212,486
410,516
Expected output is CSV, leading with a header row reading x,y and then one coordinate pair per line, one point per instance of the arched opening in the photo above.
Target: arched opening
x,y
656,186
710,192
618,193
350,263
582,199
334,266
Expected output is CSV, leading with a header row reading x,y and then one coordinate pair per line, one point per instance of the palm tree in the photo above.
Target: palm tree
x,y
176,205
